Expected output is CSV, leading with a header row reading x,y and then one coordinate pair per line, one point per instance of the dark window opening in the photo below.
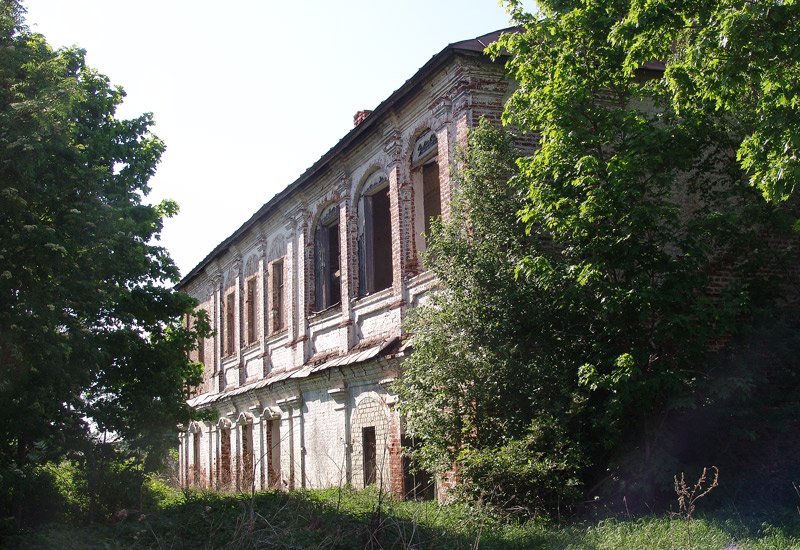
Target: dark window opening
x,y
277,296
376,243
328,290
431,196
196,355
230,317
251,310
418,484
370,463
201,349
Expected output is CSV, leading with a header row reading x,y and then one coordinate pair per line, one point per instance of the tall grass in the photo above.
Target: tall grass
x,y
344,518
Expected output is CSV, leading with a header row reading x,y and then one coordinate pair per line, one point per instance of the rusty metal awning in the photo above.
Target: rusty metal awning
x,y
352,358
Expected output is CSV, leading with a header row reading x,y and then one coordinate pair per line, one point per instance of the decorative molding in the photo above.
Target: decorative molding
x,y
443,109
392,142
261,245
291,402
425,147
339,395
244,418
271,413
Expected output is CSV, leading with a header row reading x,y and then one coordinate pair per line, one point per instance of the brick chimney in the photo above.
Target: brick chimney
x,y
359,117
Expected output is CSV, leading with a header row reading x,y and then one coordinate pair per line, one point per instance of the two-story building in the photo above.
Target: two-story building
x,y
307,298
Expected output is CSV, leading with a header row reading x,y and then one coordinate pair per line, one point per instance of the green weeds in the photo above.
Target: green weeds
x,y
345,519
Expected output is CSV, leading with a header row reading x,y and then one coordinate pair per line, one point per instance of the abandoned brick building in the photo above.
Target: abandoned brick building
x,y
307,298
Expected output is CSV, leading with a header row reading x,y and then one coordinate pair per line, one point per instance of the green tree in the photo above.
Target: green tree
x,y
739,58
91,339
662,237
581,311
478,390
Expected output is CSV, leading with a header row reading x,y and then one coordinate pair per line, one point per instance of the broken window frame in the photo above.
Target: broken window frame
x,y
278,296
251,311
427,186
376,271
327,261
230,323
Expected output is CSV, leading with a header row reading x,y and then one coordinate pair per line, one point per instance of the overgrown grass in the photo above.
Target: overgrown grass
x,y
344,519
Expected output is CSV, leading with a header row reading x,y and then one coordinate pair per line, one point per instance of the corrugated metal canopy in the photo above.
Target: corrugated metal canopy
x,y
353,358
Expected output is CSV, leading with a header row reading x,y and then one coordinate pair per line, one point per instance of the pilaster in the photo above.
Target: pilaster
x,y
347,260
442,113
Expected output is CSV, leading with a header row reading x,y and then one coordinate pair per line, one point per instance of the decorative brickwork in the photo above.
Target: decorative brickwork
x,y
303,394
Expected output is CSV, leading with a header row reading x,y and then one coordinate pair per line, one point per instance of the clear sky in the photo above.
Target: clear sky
x,y
247,94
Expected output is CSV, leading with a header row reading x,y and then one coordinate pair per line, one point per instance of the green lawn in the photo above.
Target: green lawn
x,y
349,519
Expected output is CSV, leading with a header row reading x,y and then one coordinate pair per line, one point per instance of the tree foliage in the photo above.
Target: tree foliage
x,y
91,339
585,305
478,389
737,58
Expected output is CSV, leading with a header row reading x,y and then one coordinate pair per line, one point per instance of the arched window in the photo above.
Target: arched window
x,y
427,192
327,279
374,236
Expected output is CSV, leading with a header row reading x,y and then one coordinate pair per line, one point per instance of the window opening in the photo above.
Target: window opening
x,y
328,288
427,187
201,349
375,245
230,317
225,458
196,451
431,195
277,296
274,453
251,310
247,457
417,483
370,463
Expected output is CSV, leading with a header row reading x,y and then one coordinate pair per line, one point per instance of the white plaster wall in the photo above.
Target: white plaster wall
x,y
378,323
325,338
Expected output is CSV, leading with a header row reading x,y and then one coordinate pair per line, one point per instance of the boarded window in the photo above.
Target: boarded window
x,y
328,290
251,310
278,314
370,464
230,318
375,242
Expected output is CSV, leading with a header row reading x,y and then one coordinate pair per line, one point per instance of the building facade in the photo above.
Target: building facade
x,y
307,298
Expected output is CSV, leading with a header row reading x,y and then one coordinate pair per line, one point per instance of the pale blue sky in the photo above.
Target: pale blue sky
x,y
247,94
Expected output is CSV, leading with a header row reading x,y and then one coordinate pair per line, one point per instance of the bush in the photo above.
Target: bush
x,y
533,474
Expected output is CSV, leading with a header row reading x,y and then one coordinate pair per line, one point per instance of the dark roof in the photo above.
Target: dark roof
x,y
472,46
